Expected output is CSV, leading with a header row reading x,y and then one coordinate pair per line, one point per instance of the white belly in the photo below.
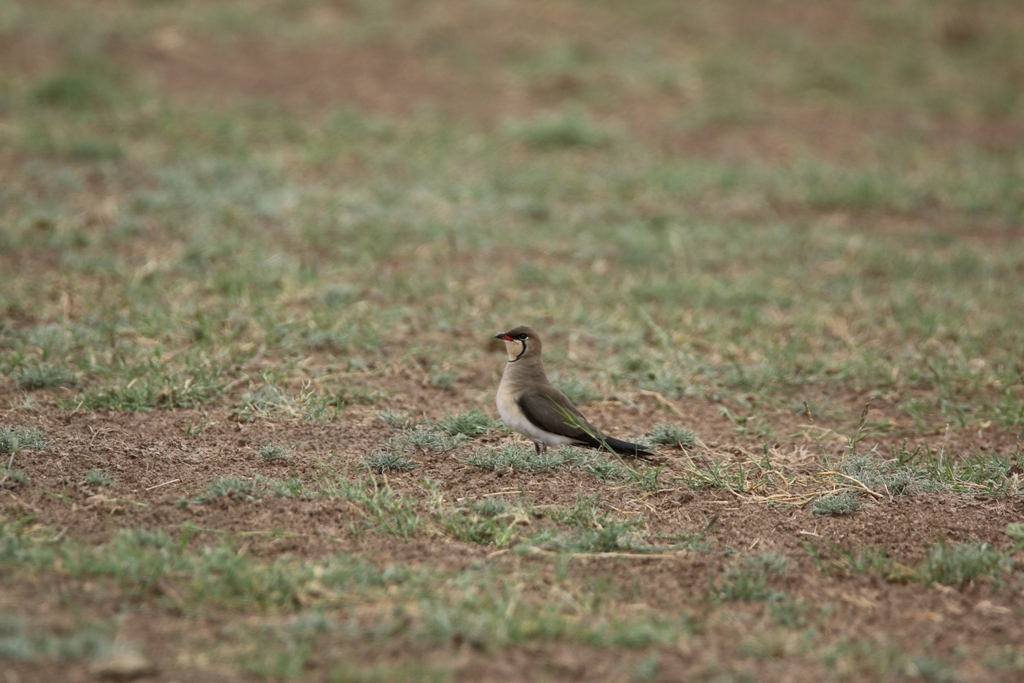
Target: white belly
x,y
512,415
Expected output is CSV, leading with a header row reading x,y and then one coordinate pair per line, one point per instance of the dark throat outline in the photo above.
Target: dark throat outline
x,y
520,353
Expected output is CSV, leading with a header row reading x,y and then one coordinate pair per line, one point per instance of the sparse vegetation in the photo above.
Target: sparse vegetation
x,y
960,563
443,379
514,457
396,419
20,643
471,424
836,504
100,478
394,454
674,436
13,439
749,578
11,477
792,230
489,522
235,488
578,390
381,461
569,129
45,377
239,489
275,452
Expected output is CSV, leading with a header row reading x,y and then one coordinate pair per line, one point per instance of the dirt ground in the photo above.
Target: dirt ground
x,y
157,462
410,70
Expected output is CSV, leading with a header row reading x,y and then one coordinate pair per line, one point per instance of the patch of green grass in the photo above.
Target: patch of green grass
x,y
387,512
794,613
228,487
319,409
749,578
237,488
591,531
925,471
275,452
516,458
312,404
585,514
751,425
11,477
471,424
648,667
95,150
280,659
870,659
397,420
285,653
955,564
571,128
929,669
578,390
961,563
604,468
1015,530
444,378
87,85
836,504
478,604
100,478
431,441
975,471
217,575
293,487
13,439
153,389
608,536
865,560
646,478
492,507
27,404
266,401
383,460
714,475
652,633
394,454
1007,658
491,521
45,376
672,435
21,643
888,477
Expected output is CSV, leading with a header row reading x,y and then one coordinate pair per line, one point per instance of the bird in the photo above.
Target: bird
x,y
532,406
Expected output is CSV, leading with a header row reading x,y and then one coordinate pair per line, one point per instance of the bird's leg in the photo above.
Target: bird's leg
x,y
536,444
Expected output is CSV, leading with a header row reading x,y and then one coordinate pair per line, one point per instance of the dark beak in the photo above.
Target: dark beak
x,y
503,337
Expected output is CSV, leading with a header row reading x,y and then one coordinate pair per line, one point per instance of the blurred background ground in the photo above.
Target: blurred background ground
x,y
788,233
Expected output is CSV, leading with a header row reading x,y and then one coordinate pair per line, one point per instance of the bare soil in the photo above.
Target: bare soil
x,y
157,463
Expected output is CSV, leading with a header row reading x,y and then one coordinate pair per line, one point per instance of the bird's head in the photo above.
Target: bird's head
x,y
520,342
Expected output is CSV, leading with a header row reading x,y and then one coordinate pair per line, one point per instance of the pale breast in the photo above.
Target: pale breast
x,y
512,415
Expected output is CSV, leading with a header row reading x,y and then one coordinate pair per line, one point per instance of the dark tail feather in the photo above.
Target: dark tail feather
x,y
632,450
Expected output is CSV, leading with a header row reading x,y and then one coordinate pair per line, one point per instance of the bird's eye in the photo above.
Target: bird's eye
x,y
524,337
